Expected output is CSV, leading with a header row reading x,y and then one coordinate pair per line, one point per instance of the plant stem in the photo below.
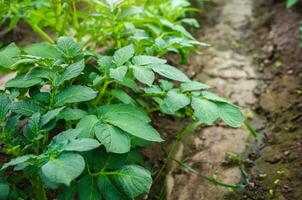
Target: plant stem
x,y
75,14
42,33
191,127
102,92
41,194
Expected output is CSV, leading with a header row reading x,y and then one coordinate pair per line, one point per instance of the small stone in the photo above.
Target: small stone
x,y
286,153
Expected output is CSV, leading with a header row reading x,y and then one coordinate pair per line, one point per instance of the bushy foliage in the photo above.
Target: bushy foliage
x,y
154,27
72,120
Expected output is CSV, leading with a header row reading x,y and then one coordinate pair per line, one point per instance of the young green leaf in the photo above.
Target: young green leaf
x,y
144,75
82,144
133,180
17,161
230,114
33,127
26,108
205,110
43,50
87,125
123,55
166,85
64,169
106,62
69,49
170,72
40,72
134,126
122,96
118,73
193,86
147,60
71,114
20,82
113,138
75,94
173,102
123,109
71,72
50,115
9,55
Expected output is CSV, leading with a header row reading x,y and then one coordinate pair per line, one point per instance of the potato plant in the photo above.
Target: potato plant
x,y
72,120
154,27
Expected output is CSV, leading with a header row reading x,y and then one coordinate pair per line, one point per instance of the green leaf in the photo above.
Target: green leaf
x,y
122,109
192,86
144,75
170,72
43,50
64,137
25,108
71,72
64,169
147,60
230,114
205,110
174,101
166,85
4,190
122,55
108,190
122,96
17,161
50,115
4,107
75,94
118,73
291,3
9,55
130,83
134,126
133,180
69,49
213,97
71,114
32,127
87,125
113,138
87,189
106,62
39,72
20,82
82,144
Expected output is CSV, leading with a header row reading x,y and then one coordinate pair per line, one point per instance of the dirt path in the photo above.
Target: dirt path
x,y
255,61
233,75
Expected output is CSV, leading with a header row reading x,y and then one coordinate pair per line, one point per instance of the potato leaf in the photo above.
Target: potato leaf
x,y
114,139
173,102
64,169
123,55
144,75
170,72
75,94
205,110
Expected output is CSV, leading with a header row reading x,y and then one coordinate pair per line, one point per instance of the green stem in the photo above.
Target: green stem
x,y
41,194
191,127
58,11
101,93
75,15
42,33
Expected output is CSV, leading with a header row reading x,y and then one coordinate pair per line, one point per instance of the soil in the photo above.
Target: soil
x,y
254,61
